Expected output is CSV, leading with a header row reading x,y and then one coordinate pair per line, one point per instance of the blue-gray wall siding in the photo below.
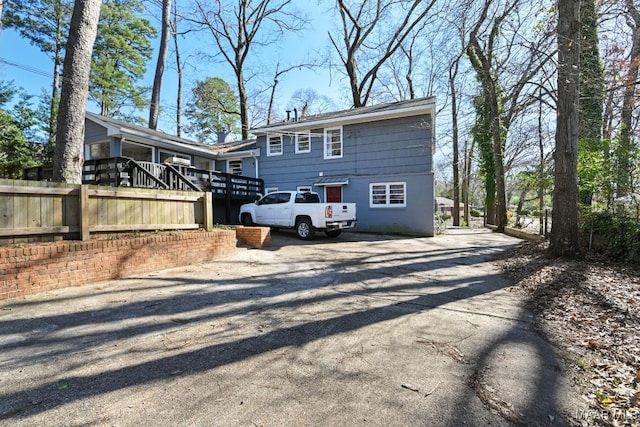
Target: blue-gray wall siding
x,y
248,166
94,132
398,150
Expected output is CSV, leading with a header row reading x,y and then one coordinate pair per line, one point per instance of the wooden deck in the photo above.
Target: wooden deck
x,y
227,190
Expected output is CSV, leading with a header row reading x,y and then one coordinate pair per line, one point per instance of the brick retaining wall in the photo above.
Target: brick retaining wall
x,y
38,268
256,237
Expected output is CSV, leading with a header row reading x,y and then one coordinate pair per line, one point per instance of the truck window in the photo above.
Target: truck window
x,y
269,199
283,197
307,198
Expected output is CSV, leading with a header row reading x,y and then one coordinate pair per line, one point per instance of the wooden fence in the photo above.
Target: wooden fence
x,y
31,209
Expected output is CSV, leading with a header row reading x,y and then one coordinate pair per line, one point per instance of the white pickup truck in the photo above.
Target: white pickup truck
x,y
302,211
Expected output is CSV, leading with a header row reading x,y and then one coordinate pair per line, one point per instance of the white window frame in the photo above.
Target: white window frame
x,y
307,134
270,190
229,171
387,195
274,153
304,189
328,144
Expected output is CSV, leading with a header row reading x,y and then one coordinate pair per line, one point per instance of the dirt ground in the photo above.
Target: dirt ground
x,y
588,308
358,330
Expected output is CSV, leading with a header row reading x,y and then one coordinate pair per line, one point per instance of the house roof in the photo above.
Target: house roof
x,y
445,202
135,133
365,114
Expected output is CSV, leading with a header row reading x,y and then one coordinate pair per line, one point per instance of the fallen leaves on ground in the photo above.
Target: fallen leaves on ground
x,y
590,310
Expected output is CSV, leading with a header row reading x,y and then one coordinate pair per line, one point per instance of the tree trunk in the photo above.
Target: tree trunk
x,y
244,109
55,90
541,186
154,109
453,70
564,232
496,129
179,72
483,67
67,166
466,183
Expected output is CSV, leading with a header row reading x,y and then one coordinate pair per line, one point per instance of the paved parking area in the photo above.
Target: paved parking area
x,y
358,330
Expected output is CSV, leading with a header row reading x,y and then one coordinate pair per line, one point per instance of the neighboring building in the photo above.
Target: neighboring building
x,y
380,157
106,137
446,206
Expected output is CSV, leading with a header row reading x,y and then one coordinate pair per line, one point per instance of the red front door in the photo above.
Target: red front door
x,y
333,194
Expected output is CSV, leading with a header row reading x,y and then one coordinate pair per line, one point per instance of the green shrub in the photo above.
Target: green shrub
x,y
475,213
617,237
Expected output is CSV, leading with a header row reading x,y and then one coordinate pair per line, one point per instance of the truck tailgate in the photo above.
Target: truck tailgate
x,y
342,211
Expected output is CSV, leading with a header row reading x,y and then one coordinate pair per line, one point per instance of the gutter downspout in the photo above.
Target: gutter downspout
x,y
255,159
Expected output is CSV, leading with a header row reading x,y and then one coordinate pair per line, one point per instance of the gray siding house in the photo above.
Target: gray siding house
x,y
380,157
106,137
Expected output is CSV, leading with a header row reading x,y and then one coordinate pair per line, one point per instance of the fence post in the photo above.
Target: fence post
x,y
207,207
83,205
546,223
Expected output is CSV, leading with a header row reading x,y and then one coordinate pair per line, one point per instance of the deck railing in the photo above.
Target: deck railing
x,y
127,172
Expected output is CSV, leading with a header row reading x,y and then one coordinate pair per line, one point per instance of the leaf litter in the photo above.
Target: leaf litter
x,y
590,310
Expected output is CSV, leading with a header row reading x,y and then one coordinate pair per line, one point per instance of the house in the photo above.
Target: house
x,y
445,206
227,169
380,157
106,137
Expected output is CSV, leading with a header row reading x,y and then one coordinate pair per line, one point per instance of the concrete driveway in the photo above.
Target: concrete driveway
x,y
358,330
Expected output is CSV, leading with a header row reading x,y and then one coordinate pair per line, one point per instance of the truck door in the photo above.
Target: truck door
x,y
283,210
264,209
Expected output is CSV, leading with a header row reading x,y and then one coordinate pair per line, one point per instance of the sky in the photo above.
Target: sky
x,y
32,70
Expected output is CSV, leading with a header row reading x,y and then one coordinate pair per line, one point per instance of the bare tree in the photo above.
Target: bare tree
x,y
238,28
564,233
507,78
67,165
453,73
154,109
276,79
365,46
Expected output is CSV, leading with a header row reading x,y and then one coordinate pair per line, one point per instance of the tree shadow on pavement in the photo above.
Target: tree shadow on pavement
x,y
179,302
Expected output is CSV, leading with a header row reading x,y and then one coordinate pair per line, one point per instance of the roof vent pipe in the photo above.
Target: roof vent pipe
x,y
288,114
295,114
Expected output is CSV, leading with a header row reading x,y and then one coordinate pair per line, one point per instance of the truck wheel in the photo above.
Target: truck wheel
x,y
333,233
304,229
246,220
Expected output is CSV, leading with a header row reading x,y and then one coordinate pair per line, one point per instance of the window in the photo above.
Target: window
x,y
392,194
141,153
303,142
269,199
164,155
234,167
307,198
283,198
100,151
333,143
274,145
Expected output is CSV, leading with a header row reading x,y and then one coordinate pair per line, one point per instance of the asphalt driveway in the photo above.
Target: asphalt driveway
x,y
358,330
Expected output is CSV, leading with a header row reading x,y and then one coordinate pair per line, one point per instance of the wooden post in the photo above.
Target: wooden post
x,y
208,210
83,206
227,208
